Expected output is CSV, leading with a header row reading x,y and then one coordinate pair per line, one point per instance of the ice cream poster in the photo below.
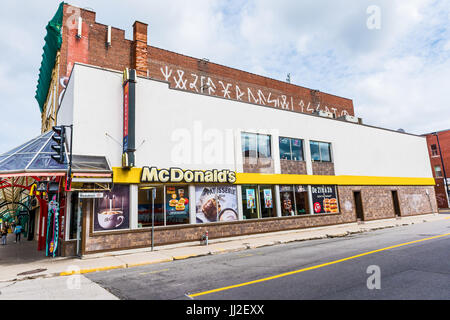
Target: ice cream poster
x,y
216,204
112,211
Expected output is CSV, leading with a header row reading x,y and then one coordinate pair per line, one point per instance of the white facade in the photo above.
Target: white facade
x,y
176,128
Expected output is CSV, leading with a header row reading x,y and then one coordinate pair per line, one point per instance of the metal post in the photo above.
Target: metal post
x,y
443,170
153,216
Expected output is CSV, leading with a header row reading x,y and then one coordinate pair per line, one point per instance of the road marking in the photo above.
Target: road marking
x,y
152,272
313,267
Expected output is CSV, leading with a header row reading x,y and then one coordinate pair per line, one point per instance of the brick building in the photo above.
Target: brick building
x,y
91,47
190,147
439,152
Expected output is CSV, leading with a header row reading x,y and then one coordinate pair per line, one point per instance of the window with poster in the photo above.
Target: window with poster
x,y
216,204
294,200
258,202
324,199
112,211
170,206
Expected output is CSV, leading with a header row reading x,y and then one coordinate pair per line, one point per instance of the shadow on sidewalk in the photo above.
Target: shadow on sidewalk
x,y
20,252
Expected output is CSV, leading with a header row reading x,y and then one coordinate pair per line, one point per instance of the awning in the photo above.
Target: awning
x,y
34,158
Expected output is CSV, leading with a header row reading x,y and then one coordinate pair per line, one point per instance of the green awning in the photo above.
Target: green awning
x,y
53,41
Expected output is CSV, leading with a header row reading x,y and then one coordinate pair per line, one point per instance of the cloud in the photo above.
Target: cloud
x,y
397,75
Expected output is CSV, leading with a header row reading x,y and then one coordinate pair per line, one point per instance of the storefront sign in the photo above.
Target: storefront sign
x,y
324,199
176,175
129,107
90,195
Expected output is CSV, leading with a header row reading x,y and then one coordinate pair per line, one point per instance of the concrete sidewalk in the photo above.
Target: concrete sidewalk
x,y
132,258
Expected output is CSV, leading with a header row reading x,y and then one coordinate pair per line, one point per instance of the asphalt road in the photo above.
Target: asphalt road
x,y
418,270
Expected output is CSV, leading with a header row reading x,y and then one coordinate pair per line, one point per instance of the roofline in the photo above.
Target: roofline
x,y
427,134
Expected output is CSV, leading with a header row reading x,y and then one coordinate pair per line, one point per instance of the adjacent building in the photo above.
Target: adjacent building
x,y
439,151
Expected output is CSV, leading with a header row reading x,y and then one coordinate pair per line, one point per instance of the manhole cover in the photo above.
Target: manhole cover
x,y
31,272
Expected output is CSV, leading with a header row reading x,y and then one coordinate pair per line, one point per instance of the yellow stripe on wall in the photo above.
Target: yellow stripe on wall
x,y
133,176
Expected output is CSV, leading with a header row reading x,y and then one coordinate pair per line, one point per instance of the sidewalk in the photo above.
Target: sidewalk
x,y
132,258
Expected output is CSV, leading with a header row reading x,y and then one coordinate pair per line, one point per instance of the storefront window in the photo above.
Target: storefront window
x,y
301,200
145,206
320,151
249,204
291,149
287,201
285,149
294,200
249,145
264,146
112,211
171,205
324,199
255,145
216,204
177,205
258,202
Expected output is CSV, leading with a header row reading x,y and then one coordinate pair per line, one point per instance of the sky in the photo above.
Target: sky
x,y
391,57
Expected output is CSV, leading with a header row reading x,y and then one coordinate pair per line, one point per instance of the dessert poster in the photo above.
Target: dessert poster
x,y
112,211
216,204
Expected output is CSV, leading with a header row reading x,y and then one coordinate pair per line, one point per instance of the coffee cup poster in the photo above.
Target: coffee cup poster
x,y
324,199
112,211
216,204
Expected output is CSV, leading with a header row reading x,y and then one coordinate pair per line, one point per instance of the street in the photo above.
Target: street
x,y
418,270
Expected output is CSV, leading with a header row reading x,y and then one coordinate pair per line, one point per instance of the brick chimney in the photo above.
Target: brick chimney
x,y
140,51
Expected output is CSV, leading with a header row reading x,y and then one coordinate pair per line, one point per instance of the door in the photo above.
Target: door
x,y
396,203
358,205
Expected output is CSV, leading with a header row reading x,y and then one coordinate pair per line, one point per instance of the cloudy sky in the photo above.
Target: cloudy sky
x,y
392,57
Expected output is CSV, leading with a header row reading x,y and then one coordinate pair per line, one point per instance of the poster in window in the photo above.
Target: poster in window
x,y
268,203
112,211
251,203
216,204
324,199
177,204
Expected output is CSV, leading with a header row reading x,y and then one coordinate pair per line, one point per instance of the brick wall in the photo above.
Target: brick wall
x,y
182,72
377,204
293,167
435,160
323,168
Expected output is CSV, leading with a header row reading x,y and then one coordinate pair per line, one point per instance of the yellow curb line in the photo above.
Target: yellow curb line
x,y
68,273
311,268
148,263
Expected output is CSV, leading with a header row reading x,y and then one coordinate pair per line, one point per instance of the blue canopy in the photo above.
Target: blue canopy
x,y
32,156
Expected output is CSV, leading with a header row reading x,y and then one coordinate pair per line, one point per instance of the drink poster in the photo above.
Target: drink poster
x,y
268,203
216,204
112,211
251,201
324,199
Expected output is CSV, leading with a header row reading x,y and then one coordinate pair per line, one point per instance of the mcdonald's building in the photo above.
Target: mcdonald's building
x,y
157,145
